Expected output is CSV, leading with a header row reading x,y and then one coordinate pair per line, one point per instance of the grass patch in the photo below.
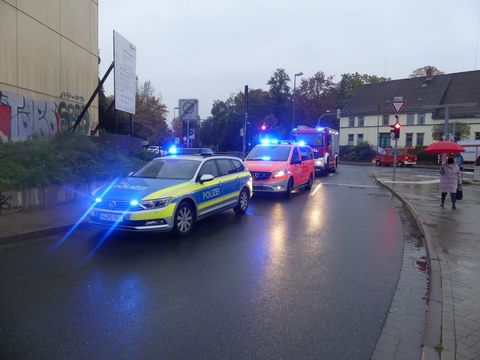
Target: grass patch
x,y
65,159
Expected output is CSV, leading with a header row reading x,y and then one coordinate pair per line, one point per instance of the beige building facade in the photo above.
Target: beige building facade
x,y
416,129
368,115
48,66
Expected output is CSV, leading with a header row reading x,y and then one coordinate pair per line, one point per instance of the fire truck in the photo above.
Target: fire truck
x,y
325,144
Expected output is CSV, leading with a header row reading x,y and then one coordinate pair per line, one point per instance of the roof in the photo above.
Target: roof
x,y
419,93
197,157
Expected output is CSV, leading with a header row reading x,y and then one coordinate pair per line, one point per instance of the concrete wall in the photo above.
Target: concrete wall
x,y
371,129
48,65
14,201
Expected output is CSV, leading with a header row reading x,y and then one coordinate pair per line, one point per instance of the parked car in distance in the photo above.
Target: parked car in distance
x,y
405,157
157,150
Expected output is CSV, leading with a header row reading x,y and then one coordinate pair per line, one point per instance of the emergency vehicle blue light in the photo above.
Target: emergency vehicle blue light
x,y
274,141
134,202
266,158
172,150
301,143
265,141
98,200
320,129
294,129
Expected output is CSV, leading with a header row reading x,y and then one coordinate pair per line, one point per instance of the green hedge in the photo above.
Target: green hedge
x,y
62,160
360,153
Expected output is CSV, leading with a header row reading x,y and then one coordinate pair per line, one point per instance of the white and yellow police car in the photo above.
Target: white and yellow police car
x,y
172,193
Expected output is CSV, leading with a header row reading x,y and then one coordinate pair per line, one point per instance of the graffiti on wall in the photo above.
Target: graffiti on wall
x,y
22,117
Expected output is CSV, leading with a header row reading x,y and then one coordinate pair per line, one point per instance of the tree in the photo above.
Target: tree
x,y
422,71
462,131
150,118
352,83
280,96
315,96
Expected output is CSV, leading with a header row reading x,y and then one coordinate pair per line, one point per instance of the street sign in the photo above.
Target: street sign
x,y
125,55
188,109
398,105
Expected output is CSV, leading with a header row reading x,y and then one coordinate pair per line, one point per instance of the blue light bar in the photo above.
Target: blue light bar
x,y
320,129
301,143
98,200
274,141
172,150
134,202
265,141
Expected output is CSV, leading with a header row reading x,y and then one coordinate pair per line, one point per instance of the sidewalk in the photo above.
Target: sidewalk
x,y
40,221
453,244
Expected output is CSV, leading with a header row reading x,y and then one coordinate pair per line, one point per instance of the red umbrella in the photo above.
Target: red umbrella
x,y
444,147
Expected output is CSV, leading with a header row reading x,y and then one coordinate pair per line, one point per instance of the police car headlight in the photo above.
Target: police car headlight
x,y
280,173
156,203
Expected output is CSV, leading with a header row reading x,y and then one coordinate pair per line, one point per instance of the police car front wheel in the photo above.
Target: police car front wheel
x,y
184,219
243,199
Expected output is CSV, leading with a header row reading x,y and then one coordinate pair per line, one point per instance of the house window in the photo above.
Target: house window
x,y
477,136
409,139
410,119
385,120
351,121
421,119
350,139
419,139
361,121
359,139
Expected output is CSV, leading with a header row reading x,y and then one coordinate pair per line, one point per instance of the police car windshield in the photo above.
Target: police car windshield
x,y
269,153
178,169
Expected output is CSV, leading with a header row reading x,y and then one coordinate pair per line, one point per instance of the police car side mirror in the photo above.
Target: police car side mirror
x,y
205,178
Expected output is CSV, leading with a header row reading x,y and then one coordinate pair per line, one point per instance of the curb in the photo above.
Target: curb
x,y
433,326
31,235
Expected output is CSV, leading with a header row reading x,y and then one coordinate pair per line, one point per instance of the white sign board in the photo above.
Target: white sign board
x,y
188,109
125,55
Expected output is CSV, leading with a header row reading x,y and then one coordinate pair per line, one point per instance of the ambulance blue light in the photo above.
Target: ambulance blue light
x,y
265,141
134,202
320,129
172,150
274,141
98,200
266,158
301,143
294,129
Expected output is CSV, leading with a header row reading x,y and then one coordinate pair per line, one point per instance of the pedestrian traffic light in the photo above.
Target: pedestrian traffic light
x,y
395,130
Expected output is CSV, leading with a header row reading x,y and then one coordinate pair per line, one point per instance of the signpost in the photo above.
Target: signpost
x,y
397,103
188,109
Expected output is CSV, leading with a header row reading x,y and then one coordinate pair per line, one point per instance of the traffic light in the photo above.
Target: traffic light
x,y
395,130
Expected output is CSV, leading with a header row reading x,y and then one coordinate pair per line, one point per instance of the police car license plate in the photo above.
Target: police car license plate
x,y
111,217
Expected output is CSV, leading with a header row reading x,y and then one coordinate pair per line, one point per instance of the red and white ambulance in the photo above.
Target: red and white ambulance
x,y
325,144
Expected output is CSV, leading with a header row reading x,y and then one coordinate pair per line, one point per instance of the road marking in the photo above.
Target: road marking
x,y
316,189
352,185
422,182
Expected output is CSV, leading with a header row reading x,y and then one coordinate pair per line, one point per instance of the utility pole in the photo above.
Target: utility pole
x,y
294,96
245,120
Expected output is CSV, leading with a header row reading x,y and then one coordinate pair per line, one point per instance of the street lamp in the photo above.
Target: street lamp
x,y
294,96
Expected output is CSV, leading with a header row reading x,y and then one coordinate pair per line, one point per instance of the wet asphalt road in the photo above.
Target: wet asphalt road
x,y
307,278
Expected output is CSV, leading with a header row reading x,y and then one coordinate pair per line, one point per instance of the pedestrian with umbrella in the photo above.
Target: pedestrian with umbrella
x,y
450,174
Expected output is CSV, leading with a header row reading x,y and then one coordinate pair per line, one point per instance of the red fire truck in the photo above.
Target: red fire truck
x,y
325,144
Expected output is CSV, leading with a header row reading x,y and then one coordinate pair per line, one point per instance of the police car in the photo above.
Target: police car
x,y
172,193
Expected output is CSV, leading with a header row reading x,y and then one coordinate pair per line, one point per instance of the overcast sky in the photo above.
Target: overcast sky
x,y
209,49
